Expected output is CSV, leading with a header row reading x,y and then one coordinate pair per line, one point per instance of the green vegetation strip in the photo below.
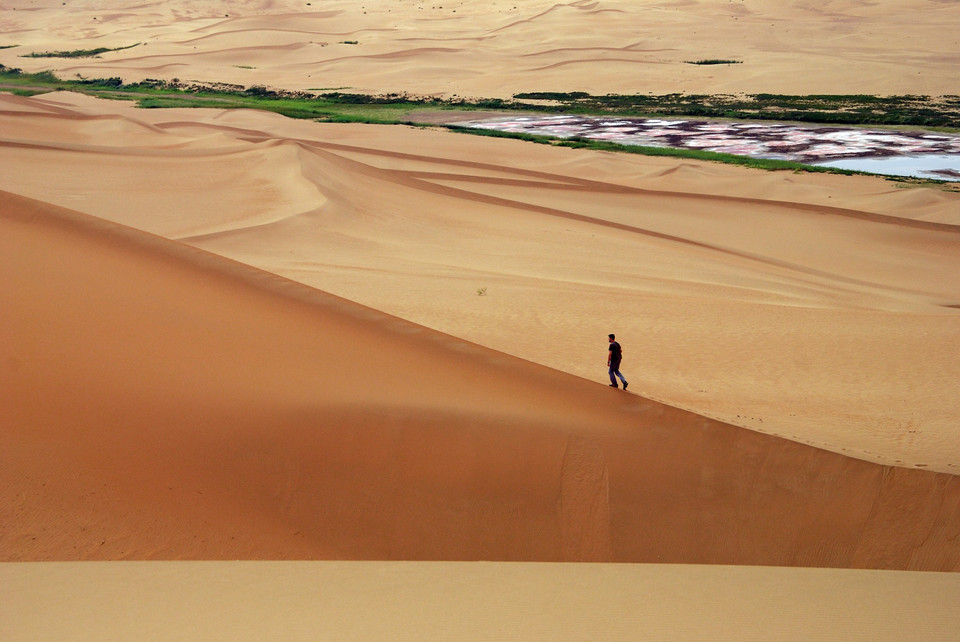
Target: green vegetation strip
x,y
77,53
714,61
916,111
336,106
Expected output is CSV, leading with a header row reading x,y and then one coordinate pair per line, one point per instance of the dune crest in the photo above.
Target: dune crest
x,y
172,404
345,379
816,308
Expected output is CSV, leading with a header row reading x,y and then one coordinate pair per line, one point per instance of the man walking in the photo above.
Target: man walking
x,y
613,363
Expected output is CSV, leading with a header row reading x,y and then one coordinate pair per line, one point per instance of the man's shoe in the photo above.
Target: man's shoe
x,y
625,384
613,385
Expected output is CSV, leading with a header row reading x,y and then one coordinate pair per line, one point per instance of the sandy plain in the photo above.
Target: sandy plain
x,y
498,48
229,335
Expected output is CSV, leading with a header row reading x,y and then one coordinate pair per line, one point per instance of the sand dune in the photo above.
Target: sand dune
x,y
181,406
815,308
474,48
227,335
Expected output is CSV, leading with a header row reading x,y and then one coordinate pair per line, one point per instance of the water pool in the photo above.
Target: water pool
x,y
908,152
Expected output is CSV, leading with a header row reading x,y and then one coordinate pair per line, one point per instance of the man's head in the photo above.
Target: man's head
x,y
612,337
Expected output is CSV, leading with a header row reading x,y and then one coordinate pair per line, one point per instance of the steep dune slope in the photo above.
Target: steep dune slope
x,y
816,308
172,404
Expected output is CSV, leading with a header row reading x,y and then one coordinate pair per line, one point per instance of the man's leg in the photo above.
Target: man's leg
x,y
617,373
613,380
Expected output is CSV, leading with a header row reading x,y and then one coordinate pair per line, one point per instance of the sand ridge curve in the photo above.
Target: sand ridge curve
x,y
158,402
815,308
178,405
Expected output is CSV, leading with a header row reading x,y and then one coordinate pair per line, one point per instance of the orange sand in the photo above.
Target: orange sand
x,y
173,404
229,335
816,308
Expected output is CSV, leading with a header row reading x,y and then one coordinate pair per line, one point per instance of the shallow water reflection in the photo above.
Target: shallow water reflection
x,y
901,153
945,167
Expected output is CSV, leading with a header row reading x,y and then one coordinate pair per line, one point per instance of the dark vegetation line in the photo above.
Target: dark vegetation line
x,y
337,106
917,111
714,61
76,53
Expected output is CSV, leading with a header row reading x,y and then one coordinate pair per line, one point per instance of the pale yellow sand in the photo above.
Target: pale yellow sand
x,y
469,601
501,47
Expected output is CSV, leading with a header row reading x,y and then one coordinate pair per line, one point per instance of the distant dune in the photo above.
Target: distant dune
x,y
496,49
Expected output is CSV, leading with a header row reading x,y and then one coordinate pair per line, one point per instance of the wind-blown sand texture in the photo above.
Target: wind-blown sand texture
x,y
501,47
228,335
786,303
207,410
344,433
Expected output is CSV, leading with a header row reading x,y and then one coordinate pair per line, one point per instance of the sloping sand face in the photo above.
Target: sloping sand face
x,y
229,335
499,48
817,308
175,405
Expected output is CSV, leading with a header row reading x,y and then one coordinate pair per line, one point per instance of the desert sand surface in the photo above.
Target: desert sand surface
x,y
821,309
496,48
470,601
227,335
179,405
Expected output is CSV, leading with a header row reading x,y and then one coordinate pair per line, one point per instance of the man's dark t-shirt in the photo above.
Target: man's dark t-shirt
x,y
615,354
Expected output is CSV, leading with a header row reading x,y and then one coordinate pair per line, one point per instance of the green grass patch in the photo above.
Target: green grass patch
x,y
906,110
42,79
76,53
339,106
27,92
